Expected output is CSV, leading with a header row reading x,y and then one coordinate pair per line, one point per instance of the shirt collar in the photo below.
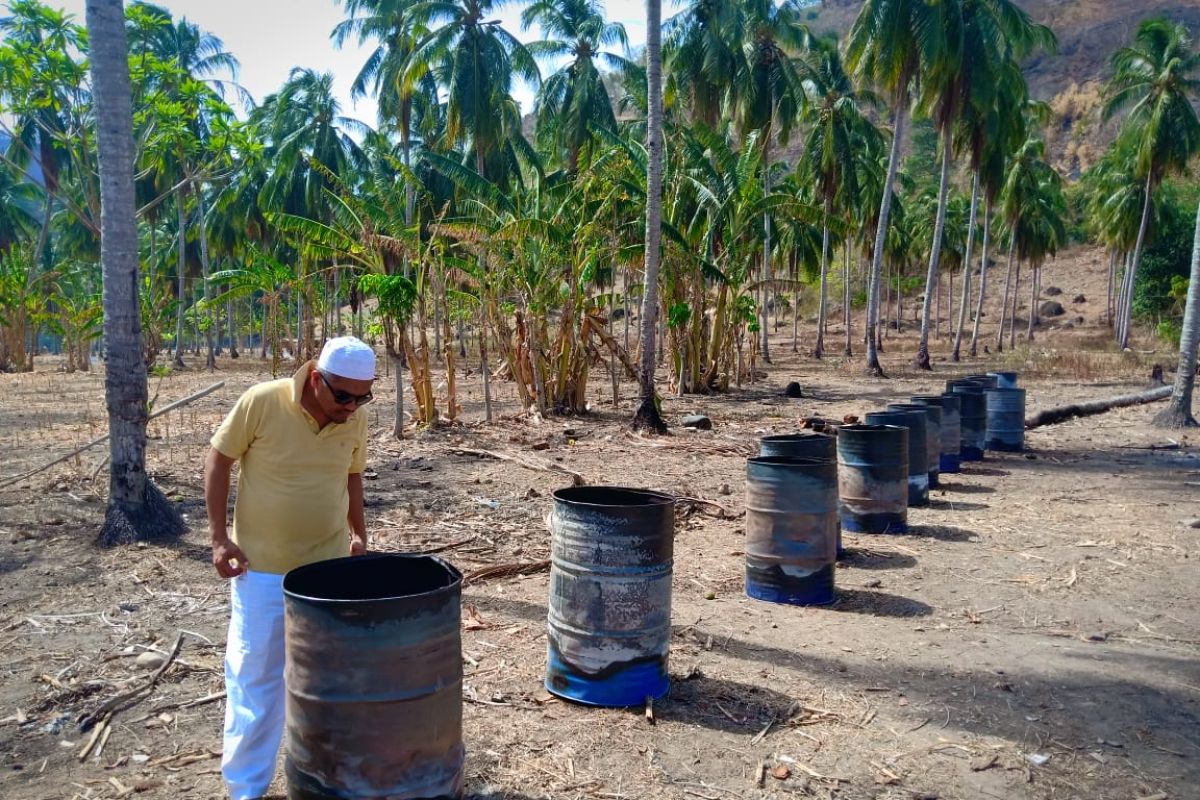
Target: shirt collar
x,y
299,378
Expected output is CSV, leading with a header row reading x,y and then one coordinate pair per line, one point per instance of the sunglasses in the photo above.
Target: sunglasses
x,y
345,398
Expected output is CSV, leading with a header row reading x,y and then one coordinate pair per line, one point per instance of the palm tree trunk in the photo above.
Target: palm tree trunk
x,y
935,252
849,351
1123,342
1119,311
1012,248
211,358
885,210
1112,273
819,348
1012,317
965,300
648,416
1033,315
983,273
136,509
181,291
1179,413
764,331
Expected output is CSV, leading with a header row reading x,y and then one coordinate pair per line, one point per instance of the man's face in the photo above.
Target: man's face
x,y
339,397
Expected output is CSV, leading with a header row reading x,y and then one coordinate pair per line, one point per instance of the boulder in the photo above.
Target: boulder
x,y
793,390
1052,291
1079,299
1051,308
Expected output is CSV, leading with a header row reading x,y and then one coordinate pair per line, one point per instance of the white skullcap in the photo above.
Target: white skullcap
x,y
348,357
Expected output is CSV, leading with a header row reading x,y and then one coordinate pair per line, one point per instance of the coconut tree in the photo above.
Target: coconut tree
x,y
1178,414
136,508
702,57
1156,80
768,94
573,100
892,45
830,160
648,416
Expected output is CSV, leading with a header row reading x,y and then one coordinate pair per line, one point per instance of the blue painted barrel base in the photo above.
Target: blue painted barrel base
x,y
627,685
949,463
934,482
873,523
773,586
841,551
1005,447
918,491
305,787
970,453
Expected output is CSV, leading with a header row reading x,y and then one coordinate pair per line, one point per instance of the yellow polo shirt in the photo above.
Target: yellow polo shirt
x,y
292,499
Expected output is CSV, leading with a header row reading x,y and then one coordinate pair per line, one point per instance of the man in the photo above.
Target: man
x,y
302,446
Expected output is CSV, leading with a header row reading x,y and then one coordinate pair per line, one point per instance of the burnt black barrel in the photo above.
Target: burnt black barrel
x,y
799,445
791,529
1006,420
611,551
918,461
374,678
972,417
950,433
988,380
933,436
873,478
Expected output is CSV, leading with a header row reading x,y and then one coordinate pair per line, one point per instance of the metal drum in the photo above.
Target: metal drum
x,y
972,418
1005,380
374,678
803,445
989,381
791,529
799,445
1006,420
918,461
873,478
933,436
950,436
611,553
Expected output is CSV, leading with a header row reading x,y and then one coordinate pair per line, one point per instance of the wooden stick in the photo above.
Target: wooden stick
x,y
178,403
134,696
1052,416
576,478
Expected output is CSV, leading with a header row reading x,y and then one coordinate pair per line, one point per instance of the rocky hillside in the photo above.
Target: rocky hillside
x,y
1088,32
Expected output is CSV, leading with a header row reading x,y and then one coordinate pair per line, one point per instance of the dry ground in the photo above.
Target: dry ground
x,y
1033,637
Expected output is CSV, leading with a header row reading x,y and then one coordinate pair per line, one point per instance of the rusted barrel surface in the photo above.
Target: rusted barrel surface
x,y
873,478
950,434
611,553
918,462
972,417
374,679
1005,380
933,436
799,445
791,529
1006,420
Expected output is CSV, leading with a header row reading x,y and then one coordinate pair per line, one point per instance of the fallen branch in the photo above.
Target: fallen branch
x,y
183,401
597,328
131,698
723,512
506,570
576,478
1053,416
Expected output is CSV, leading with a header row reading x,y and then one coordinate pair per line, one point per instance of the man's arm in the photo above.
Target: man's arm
x,y
356,518
227,557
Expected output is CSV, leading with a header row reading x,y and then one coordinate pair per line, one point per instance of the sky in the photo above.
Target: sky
x,y
270,37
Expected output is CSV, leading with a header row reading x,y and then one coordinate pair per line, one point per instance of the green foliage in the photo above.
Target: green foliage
x,y
397,294
1167,259
1169,331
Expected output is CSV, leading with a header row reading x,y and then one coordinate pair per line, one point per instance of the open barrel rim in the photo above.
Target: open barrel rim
x,y
453,574
648,497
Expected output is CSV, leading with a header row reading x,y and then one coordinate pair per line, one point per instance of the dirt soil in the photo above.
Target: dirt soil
x,y
1033,636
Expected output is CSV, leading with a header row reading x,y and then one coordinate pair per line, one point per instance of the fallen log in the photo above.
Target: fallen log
x,y
1053,416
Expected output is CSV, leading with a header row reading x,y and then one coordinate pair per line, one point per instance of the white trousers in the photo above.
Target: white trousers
x,y
255,699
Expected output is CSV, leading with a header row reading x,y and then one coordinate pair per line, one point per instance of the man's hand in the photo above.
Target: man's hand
x,y
358,544
229,559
